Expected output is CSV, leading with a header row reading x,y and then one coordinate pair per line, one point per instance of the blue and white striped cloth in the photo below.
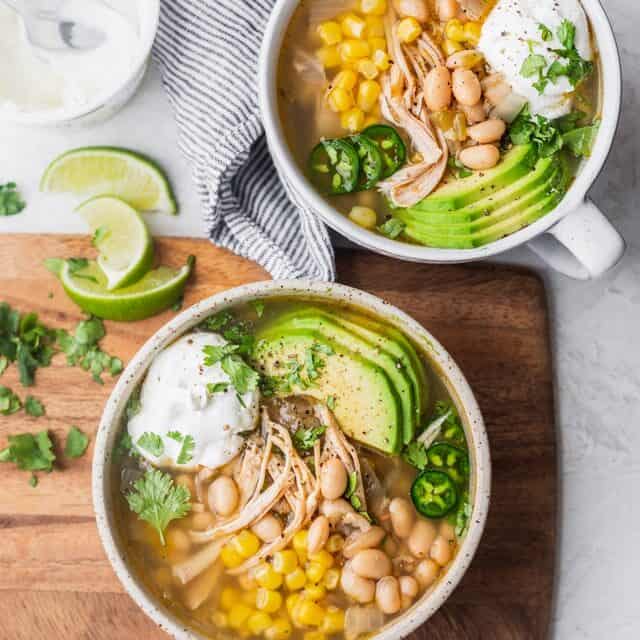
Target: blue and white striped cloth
x,y
208,53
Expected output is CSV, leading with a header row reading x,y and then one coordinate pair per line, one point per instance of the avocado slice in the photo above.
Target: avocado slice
x,y
516,163
367,404
511,224
511,208
316,320
541,172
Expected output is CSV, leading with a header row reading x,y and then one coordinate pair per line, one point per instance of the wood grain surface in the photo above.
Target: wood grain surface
x,y
55,581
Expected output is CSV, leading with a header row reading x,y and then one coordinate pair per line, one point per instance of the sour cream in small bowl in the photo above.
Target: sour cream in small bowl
x,y
57,88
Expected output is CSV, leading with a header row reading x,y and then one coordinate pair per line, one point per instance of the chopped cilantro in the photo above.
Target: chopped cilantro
x,y
305,439
9,401
10,201
217,353
580,141
186,452
532,65
33,480
124,447
152,443
545,32
392,228
77,443
175,435
331,402
258,307
415,454
242,376
31,452
217,322
218,387
33,407
158,501
4,363
538,130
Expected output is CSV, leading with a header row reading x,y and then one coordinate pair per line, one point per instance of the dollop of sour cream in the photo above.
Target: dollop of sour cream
x,y
175,400
512,32
37,80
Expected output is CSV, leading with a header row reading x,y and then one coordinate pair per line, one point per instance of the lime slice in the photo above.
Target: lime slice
x,y
98,171
156,291
121,236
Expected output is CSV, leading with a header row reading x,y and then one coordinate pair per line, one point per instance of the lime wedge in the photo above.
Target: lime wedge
x,y
97,171
121,236
156,291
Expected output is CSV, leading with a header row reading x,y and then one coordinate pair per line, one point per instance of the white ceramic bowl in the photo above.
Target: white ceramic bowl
x,y
456,384
146,13
587,244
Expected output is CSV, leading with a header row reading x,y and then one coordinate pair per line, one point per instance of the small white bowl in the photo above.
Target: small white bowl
x,y
106,105
457,386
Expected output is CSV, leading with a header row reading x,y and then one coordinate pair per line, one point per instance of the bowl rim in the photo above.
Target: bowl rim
x,y
290,172
452,376
53,117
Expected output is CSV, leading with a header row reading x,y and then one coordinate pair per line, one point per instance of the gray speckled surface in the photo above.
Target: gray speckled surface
x,y
596,327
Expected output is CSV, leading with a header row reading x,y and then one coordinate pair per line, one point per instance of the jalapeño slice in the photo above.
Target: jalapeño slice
x,y
434,494
391,145
446,457
371,162
335,167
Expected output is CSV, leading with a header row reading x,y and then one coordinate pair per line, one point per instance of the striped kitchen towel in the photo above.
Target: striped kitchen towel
x,y
208,52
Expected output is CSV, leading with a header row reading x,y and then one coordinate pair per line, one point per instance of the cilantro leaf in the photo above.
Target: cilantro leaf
x,y
152,443
545,33
305,439
217,387
158,501
537,130
258,306
10,201
175,435
33,407
4,363
580,141
33,480
77,443
533,63
242,376
217,322
216,353
9,401
416,455
31,452
570,121
186,452
392,228
124,447
567,34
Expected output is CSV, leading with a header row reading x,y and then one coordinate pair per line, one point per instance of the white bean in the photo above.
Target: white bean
x,y
475,113
402,517
223,496
447,531
318,534
422,536
441,551
437,88
333,479
480,157
447,9
359,589
335,508
488,131
426,573
268,528
409,586
388,596
371,563
466,87
368,539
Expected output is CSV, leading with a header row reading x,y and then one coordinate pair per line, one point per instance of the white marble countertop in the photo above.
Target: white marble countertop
x,y
596,327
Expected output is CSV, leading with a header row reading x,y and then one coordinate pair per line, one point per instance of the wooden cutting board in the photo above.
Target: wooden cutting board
x,y
55,581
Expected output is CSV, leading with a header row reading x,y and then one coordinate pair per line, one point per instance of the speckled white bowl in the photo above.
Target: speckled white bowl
x,y
454,380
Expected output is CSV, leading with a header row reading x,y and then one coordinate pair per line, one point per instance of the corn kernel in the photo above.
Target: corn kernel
x,y
373,7
245,544
375,26
230,557
451,46
368,69
259,622
364,217
353,26
267,600
314,592
409,30
346,80
315,572
340,100
377,44
229,597
295,580
280,630
353,120
292,601
332,577
381,60
322,557
302,557
454,30
285,561
300,540
309,613
333,621
220,620
334,543
329,57
352,50
368,95
472,32
238,615
247,581
314,635
249,597
267,577
330,33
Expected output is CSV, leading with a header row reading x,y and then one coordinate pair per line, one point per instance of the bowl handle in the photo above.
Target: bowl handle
x,y
583,245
